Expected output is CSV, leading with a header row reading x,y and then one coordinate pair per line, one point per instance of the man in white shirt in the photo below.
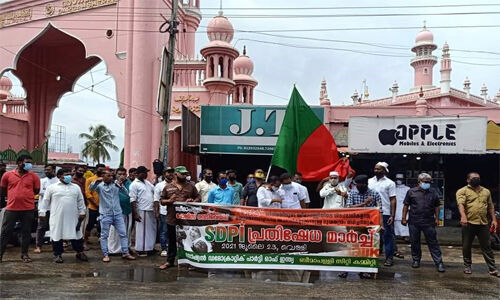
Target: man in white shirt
x,y
168,174
400,230
292,197
387,191
206,185
43,223
335,193
141,193
268,195
297,181
65,201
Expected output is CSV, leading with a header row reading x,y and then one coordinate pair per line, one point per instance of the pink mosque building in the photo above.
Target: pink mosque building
x,y
29,30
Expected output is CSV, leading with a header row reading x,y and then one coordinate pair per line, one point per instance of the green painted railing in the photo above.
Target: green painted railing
x,y
39,155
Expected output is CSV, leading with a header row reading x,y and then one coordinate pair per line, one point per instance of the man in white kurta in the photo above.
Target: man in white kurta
x,y
65,202
335,193
141,194
268,195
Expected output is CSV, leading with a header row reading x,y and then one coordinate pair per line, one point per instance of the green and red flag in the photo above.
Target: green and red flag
x,y
304,144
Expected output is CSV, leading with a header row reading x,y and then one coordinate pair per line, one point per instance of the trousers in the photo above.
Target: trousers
x,y
469,232
10,218
431,239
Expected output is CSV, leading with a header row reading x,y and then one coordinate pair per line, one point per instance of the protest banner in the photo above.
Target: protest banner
x,y
242,237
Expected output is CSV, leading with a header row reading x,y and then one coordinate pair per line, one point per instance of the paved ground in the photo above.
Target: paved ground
x,y
141,279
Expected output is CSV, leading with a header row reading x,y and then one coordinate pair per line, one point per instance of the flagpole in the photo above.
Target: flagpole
x,y
268,171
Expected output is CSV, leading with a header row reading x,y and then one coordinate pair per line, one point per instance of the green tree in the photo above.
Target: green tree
x,y
98,140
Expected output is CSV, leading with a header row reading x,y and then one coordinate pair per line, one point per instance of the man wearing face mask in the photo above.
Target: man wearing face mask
x,y
334,192
222,194
79,180
65,202
237,187
474,203
206,185
387,191
249,193
399,229
43,223
268,195
20,187
179,190
423,203
292,197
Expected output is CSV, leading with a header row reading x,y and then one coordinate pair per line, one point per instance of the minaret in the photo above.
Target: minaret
x,y
245,83
424,61
323,94
445,70
467,86
191,22
220,56
355,97
394,90
484,93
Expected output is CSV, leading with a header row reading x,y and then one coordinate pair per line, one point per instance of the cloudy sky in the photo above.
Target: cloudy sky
x,y
304,50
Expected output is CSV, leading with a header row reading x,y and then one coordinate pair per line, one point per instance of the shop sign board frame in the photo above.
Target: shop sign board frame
x,y
443,135
238,129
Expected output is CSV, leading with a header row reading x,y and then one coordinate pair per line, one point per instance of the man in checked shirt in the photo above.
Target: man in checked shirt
x,y
362,196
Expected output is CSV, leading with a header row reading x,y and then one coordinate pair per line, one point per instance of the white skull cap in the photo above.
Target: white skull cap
x,y
332,173
384,164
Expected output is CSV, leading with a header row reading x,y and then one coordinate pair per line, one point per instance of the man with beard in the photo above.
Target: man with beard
x,y
268,195
65,201
474,204
177,191
168,175
43,223
93,204
79,180
334,192
20,187
143,209
205,185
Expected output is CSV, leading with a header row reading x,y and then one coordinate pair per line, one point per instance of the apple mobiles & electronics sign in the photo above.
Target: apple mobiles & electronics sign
x,y
459,135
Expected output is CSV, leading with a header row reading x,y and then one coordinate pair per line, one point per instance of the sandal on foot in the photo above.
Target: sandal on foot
x,y
128,257
343,275
26,259
494,273
106,259
467,270
37,250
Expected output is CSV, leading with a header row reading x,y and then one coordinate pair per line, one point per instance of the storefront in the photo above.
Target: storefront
x,y
445,147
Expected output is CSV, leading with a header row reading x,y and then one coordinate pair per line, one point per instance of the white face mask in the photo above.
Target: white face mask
x,y
334,181
274,188
399,182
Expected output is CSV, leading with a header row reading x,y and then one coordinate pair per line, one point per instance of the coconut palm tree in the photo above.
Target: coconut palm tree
x,y
98,139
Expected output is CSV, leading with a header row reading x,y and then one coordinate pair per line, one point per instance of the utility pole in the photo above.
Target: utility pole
x,y
168,73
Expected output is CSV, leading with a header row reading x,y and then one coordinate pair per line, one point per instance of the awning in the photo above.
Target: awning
x,y
492,136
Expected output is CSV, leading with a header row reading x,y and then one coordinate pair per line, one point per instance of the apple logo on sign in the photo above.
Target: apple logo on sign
x,y
387,137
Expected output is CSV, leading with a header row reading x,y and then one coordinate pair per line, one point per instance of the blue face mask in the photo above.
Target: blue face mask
x,y
67,178
28,166
250,180
223,181
425,185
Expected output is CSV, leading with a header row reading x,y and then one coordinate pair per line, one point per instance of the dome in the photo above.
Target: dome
x,y
243,64
5,83
220,29
424,36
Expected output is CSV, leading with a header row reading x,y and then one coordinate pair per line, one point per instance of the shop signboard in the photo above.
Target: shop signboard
x,y
239,129
445,135
244,237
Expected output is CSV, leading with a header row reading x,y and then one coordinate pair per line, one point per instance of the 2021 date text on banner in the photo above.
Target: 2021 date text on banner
x,y
239,237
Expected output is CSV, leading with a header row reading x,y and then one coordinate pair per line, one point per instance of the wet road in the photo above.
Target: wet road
x,y
141,279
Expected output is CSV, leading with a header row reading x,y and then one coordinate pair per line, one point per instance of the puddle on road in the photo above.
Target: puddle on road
x,y
26,276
